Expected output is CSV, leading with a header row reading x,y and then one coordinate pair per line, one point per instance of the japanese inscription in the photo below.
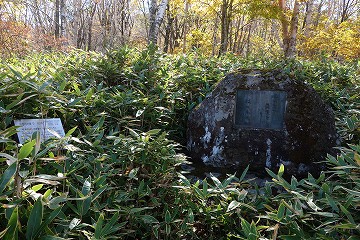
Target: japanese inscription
x,y
260,109
46,128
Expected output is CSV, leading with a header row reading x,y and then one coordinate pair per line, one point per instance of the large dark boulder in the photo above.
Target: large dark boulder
x,y
262,119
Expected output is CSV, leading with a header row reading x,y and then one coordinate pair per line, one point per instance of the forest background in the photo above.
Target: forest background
x,y
258,28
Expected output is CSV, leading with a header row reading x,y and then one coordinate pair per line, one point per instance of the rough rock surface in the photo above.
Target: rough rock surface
x,y
307,136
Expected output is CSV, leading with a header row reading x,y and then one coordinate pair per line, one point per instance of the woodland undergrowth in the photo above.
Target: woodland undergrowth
x,y
116,175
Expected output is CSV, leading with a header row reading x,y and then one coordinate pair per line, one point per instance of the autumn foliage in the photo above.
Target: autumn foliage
x,y
14,38
340,41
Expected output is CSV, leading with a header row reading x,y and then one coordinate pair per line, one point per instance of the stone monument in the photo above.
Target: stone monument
x,y
262,119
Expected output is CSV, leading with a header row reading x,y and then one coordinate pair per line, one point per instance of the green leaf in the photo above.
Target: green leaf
x,y
3,110
199,193
47,194
55,202
331,202
227,181
62,86
345,226
71,131
16,72
89,94
153,132
43,86
281,211
48,237
37,187
19,101
112,225
281,170
85,206
350,123
34,220
233,205
10,158
6,176
326,214
191,216
149,219
353,192
325,187
76,88
347,213
26,149
47,221
99,124
244,174
184,180
167,217
135,210
271,173
245,225
98,226
97,193
205,187
216,181
167,229
12,226
253,234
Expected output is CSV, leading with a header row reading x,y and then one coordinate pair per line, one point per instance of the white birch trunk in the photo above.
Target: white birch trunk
x,y
308,16
155,19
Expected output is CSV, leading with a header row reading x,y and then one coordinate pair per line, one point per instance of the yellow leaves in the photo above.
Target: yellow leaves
x,y
340,41
200,40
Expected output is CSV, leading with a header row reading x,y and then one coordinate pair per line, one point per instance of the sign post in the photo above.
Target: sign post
x,y
30,126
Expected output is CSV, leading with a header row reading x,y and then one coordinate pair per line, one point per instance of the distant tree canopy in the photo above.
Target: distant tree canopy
x,y
286,28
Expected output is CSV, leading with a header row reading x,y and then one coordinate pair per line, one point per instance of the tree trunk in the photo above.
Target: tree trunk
x,y
248,43
176,33
91,19
226,12
345,9
289,35
214,37
237,36
308,15
275,33
168,28
155,19
230,36
185,24
318,13
62,18
57,18
291,50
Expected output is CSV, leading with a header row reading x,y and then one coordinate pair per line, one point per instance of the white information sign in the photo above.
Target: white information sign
x,y
30,126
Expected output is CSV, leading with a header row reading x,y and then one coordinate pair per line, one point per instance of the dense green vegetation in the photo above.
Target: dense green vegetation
x,y
115,174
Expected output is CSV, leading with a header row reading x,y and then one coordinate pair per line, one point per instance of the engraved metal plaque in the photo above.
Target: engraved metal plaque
x,y
260,109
